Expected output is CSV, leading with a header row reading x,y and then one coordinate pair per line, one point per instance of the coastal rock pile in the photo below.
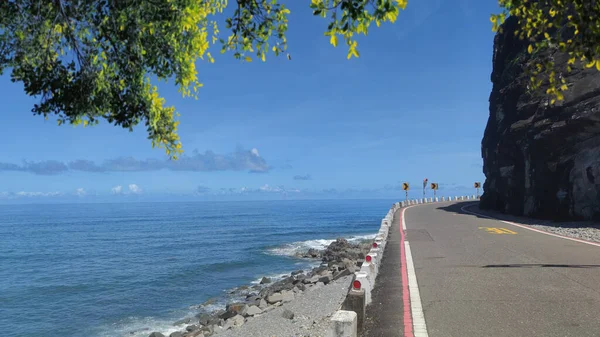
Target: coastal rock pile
x,y
339,259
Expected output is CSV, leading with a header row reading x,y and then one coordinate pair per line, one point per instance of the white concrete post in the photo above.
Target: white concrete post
x,y
363,277
374,261
343,324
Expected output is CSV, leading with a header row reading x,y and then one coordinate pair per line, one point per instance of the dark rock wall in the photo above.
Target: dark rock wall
x,y
541,160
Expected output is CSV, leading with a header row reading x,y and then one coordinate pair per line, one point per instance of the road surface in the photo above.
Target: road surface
x,y
483,277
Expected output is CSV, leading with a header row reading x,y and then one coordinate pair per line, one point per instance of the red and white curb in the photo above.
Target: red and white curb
x,y
414,319
343,323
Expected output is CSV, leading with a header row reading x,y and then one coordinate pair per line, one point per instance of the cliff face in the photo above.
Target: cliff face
x,y
541,160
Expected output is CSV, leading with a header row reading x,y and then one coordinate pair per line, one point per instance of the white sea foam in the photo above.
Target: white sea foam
x,y
139,327
291,249
273,278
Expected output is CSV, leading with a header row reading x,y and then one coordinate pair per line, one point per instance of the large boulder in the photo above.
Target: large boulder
x,y
342,273
540,159
176,334
203,318
156,334
325,279
191,328
265,280
287,296
238,320
274,298
237,308
253,310
285,284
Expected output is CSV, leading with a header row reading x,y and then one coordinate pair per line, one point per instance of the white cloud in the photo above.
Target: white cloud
x,y
254,151
117,189
135,189
80,192
37,194
267,188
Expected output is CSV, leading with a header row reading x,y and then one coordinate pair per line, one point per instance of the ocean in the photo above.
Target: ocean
x,y
112,270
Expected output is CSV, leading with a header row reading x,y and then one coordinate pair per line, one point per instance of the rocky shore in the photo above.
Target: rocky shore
x,y
323,286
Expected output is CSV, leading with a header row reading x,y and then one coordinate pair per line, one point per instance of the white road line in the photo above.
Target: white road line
x,y
416,308
530,228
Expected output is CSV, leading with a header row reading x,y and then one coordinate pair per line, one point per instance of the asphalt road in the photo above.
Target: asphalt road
x,y
482,277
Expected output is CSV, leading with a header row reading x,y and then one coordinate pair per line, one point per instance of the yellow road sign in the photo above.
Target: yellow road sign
x,y
405,186
434,186
477,185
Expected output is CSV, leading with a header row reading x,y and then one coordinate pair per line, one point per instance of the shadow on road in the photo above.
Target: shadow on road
x,y
474,207
456,208
538,265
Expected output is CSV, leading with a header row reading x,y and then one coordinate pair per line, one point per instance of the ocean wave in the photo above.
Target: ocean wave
x,y
139,327
291,249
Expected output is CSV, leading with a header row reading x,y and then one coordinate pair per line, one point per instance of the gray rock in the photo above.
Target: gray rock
x,y
287,314
196,333
176,334
350,265
263,304
186,320
277,297
325,279
237,308
208,329
227,315
314,279
156,334
228,324
192,327
297,272
340,274
238,320
253,310
287,296
203,318
268,308
299,278
253,300
265,280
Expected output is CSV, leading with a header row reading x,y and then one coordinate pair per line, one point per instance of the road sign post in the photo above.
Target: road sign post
x,y
477,186
434,187
406,187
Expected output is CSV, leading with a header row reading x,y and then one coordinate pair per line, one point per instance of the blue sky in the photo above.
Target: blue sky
x,y
414,105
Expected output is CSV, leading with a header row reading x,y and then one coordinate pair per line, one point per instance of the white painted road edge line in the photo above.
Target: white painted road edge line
x,y
416,308
530,228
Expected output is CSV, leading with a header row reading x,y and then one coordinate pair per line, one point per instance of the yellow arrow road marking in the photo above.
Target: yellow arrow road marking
x,y
496,230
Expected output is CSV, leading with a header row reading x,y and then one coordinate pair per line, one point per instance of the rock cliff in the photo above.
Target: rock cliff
x,y
541,160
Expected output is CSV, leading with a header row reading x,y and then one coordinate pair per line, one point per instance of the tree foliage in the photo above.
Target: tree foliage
x,y
92,60
568,26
